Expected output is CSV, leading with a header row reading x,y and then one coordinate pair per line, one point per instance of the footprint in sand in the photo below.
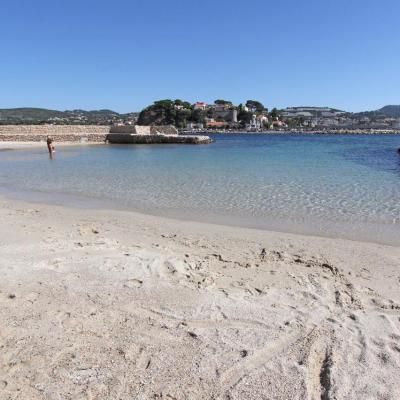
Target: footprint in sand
x,y
179,271
319,365
384,304
50,265
97,391
139,356
241,290
67,321
32,297
133,283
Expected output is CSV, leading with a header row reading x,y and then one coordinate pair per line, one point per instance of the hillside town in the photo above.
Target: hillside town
x,y
252,116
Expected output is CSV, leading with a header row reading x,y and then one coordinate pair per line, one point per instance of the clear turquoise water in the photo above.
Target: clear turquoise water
x,y
346,186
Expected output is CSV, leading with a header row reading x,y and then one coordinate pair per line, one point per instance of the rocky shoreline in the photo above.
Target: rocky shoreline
x,y
350,132
299,131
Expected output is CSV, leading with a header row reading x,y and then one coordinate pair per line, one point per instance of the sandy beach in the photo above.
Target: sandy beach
x,y
100,304
200,200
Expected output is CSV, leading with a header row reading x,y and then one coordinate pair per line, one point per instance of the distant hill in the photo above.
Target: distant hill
x,y
43,115
390,111
15,115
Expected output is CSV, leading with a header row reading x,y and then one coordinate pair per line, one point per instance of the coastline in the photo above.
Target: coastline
x,y
372,233
384,233
101,303
92,134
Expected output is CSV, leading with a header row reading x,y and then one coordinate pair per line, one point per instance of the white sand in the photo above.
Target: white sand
x,y
117,305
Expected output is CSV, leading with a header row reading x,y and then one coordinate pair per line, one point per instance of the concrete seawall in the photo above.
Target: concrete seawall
x,y
145,130
61,133
73,138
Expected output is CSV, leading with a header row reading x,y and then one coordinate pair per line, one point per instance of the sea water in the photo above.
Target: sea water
x,y
332,185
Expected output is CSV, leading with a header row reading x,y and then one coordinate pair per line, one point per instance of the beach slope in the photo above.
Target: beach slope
x,y
116,305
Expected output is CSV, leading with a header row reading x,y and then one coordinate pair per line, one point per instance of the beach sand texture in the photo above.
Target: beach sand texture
x,y
118,305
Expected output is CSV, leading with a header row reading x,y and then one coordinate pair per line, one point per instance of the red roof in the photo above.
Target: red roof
x,y
216,123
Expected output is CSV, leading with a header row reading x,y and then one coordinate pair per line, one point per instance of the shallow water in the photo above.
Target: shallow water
x,y
333,185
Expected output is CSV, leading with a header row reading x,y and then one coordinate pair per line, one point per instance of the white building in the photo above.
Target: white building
x,y
200,105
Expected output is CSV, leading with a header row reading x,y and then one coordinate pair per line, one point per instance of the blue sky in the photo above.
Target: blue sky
x,y
124,54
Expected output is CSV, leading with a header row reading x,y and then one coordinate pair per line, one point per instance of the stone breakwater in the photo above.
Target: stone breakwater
x,y
123,138
350,131
97,134
161,134
60,133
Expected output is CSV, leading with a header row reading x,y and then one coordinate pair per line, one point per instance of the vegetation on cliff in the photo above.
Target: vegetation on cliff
x,y
179,113
167,112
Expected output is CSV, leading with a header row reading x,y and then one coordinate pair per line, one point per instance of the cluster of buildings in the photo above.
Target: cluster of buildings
x,y
313,116
218,115
378,122
329,118
225,116
81,117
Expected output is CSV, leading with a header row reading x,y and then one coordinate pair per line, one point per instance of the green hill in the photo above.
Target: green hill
x,y
43,115
19,115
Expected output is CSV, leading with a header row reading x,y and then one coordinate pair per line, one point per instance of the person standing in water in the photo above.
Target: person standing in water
x,y
50,145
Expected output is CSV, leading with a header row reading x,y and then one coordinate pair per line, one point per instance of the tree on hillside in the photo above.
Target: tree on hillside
x,y
244,117
255,105
198,116
223,102
274,113
164,112
164,103
184,104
